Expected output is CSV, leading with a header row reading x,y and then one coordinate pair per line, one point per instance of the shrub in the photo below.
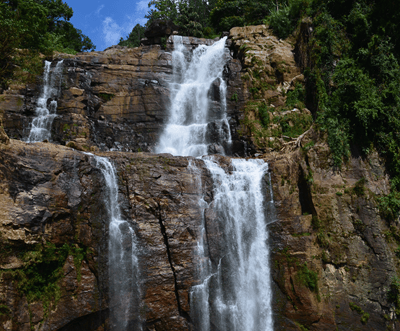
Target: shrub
x,y
308,277
279,21
264,112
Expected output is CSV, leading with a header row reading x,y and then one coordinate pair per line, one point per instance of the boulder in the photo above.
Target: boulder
x,y
160,28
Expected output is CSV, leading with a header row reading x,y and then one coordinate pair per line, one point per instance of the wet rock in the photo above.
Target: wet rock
x,y
215,149
54,195
117,99
3,137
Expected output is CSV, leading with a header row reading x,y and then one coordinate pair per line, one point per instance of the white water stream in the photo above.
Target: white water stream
x,y
122,256
47,104
236,294
193,128
243,296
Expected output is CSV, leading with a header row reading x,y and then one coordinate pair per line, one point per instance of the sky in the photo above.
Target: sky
x,y
106,21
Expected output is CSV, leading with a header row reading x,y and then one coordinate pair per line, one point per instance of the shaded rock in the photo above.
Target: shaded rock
x,y
114,100
328,246
3,137
53,194
160,28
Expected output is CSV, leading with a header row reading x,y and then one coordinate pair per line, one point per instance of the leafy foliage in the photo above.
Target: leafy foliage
x,y
41,22
192,16
227,14
354,78
364,315
209,18
296,98
389,206
39,278
308,277
284,16
189,19
133,40
394,293
37,26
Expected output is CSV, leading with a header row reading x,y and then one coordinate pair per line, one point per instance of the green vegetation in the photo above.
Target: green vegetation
x,y
192,16
389,206
293,124
133,39
394,293
30,27
5,311
301,326
308,277
39,277
208,19
234,97
296,98
106,96
364,315
353,82
359,188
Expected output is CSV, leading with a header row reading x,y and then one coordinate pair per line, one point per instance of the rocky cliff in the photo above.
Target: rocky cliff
x,y
115,100
334,258
54,228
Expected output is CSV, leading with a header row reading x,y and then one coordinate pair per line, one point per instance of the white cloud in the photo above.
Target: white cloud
x,y
112,31
141,21
142,6
98,9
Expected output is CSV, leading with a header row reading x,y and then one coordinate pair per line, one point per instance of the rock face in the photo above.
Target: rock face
x,y
52,209
334,258
333,255
115,100
51,236
269,73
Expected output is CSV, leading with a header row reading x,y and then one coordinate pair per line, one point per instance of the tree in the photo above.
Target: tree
x,y
133,39
35,26
72,38
192,16
163,9
43,25
9,40
227,14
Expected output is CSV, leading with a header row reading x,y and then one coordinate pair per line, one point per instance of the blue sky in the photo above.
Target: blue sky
x,y
105,21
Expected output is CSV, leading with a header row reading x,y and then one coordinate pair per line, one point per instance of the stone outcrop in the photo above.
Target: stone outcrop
x,y
333,254
117,99
269,73
52,202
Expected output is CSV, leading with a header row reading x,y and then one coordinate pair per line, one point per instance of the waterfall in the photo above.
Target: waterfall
x,y
47,103
235,293
200,294
243,291
122,257
193,128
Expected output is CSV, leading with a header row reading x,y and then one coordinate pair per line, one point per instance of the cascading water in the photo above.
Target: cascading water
x,y
122,256
241,296
192,128
47,104
236,294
